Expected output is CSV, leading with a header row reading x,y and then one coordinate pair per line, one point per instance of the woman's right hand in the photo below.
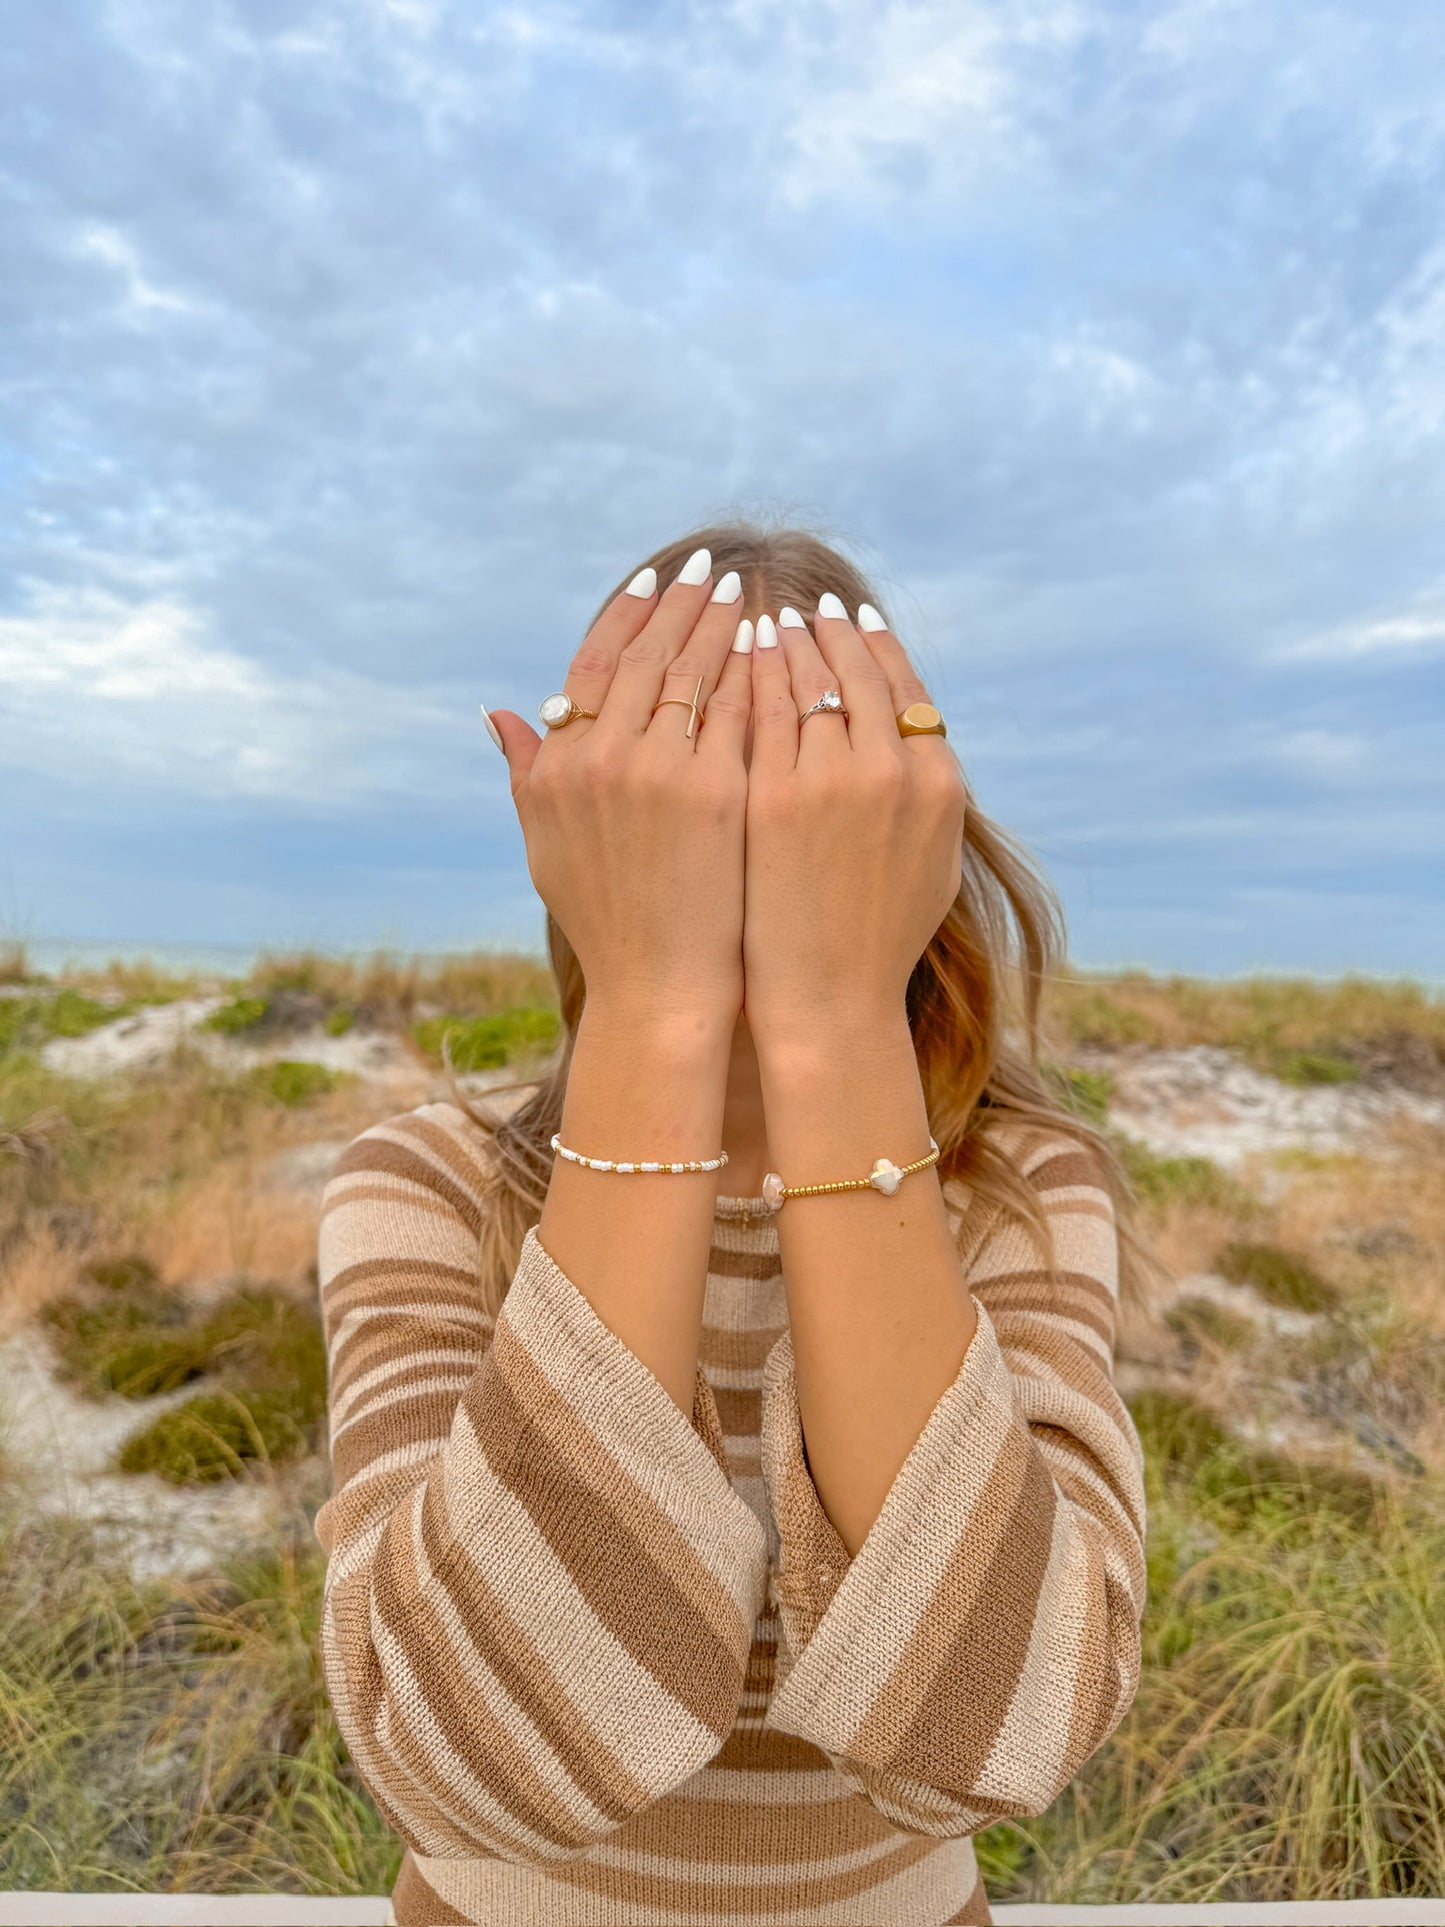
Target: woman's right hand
x,y
634,831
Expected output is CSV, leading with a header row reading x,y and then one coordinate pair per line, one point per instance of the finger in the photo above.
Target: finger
x,y
775,711
849,666
694,672
643,665
729,708
590,672
905,685
810,675
520,743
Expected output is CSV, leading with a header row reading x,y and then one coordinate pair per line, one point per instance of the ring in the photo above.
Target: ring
x,y
921,719
559,709
830,703
688,702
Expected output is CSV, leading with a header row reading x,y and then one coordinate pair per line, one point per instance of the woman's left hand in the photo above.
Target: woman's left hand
x,y
854,834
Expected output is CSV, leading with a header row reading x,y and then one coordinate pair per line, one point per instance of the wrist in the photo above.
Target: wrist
x,y
802,1033
656,1025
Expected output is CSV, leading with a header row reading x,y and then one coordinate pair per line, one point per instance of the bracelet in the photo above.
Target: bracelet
x,y
885,1177
612,1164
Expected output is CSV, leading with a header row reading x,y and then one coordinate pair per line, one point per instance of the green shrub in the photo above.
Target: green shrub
x,y
338,1020
28,1022
1186,1180
1202,1318
1086,1092
1281,1277
214,1435
488,1043
133,1342
242,1013
1313,1067
293,1081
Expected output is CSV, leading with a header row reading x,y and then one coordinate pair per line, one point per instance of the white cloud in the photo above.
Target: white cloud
x,y
103,690
1417,631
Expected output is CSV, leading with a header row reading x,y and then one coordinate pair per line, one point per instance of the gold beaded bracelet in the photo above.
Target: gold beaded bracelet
x,y
886,1176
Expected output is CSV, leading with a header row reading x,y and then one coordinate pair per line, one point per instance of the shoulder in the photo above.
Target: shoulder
x,y
432,1152
1057,1163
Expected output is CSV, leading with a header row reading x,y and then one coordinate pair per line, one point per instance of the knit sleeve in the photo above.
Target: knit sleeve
x,y
984,1640
541,1585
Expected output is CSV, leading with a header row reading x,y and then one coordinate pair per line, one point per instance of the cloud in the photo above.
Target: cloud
x,y
112,694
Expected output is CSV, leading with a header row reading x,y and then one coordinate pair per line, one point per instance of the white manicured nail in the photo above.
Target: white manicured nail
x,y
743,640
829,605
696,568
788,618
643,583
729,589
492,728
869,618
767,632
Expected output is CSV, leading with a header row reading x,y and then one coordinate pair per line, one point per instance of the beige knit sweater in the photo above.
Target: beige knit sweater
x,y
597,1663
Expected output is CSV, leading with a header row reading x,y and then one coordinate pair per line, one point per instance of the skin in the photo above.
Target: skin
x,y
758,939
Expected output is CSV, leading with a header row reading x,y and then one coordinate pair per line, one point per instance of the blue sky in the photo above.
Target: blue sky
x,y
349,352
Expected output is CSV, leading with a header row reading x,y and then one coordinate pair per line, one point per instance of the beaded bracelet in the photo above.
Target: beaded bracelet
x,y
612,1164
886,1176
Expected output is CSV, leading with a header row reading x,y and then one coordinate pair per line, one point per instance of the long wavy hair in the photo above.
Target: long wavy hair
x,y
973,999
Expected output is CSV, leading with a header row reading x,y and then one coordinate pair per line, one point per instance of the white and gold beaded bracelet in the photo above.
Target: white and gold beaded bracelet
x,y
614,1164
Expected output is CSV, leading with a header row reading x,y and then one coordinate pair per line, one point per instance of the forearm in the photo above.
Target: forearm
x,y
879,1311
641,1086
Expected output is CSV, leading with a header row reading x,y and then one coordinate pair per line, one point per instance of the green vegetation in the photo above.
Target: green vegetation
x,y
488,1043
338,1020
240,1014
263,1350
28,1022
1086,1091
1159,1181
1313,1067
1203,1319
1283,1278
294,1081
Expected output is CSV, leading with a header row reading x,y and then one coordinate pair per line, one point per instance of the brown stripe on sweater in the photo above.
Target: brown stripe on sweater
x,y
919,1726
975,1911
569,1461
1067,1169
946,1744
516,1778
757,1267
731,1832
962,1585
514,1660
752,1750
1070,1294
649,1888
737,1351
416,1902
397,1330
394,1194
462,1152
617,1548
739,1407
381,1156
429,1420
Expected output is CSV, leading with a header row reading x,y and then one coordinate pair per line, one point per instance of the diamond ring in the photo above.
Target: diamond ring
x,y
830,702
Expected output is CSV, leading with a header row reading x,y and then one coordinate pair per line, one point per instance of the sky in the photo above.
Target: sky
x,y
351,350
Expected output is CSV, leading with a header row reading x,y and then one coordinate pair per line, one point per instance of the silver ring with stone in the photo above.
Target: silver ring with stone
x,y
830,703
559,709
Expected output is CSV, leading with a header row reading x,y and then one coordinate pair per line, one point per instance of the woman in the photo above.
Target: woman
x,y
732,1541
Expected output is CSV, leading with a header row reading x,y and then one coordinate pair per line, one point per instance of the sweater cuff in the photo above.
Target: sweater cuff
x,y
679,1461
839,1613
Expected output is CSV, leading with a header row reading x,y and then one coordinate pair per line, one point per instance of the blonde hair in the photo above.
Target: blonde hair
x,y
973,1000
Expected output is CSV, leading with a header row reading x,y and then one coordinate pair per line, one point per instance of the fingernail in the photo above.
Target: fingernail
x,y
492,728
868,617
788,618
696,568
829,605
743,640
644,582
729,589
767,632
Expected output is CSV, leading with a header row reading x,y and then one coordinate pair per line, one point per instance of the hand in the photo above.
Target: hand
x,y
634,830
854,833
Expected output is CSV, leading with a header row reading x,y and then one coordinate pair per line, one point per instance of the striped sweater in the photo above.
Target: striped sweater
x,y
599,1662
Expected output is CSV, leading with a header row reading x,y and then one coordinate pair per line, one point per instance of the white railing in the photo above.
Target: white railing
x,y
284,1910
